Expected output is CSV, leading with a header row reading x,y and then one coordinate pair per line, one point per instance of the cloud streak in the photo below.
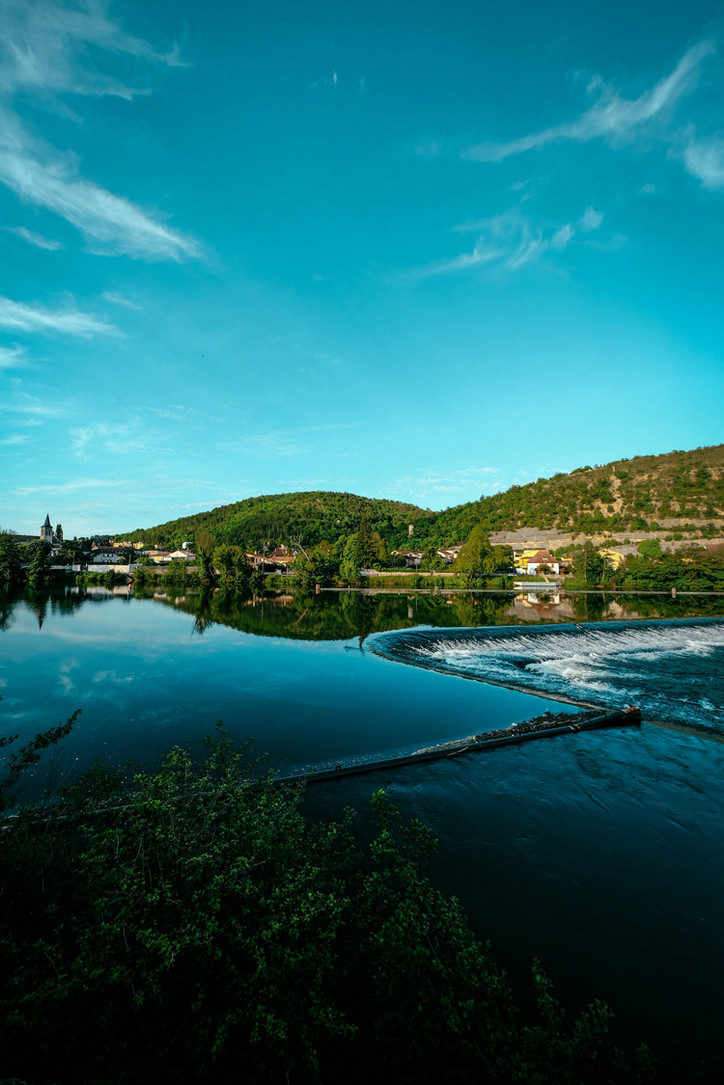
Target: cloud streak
x,y
50,49
12,358
704,159
43,177
21,317
33,238
52,46
611,117
511,241
128,437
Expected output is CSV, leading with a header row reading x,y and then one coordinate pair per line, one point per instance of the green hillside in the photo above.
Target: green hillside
x,y
674,491
309,518
677,490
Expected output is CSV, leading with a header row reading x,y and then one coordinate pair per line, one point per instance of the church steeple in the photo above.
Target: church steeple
x,y
46,531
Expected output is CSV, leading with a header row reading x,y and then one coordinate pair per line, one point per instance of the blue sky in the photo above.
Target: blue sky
x,y
420,251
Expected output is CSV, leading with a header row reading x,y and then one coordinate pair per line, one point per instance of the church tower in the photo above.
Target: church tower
x,y
46,531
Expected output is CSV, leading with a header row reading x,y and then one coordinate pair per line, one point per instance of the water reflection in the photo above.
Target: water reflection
x,y
341,615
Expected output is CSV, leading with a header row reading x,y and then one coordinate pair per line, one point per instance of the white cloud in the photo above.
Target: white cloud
x,y
52,46
590,220
704,159
436,483
49,49
32,238
119,299
12,357
15,439
43,177
31,409
15,314
510,240
117,440
62,488
611,116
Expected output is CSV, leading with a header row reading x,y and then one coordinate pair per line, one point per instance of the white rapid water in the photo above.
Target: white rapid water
x,y
672,670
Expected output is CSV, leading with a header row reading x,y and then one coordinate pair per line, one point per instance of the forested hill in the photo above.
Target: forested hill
x,y
674,490
677,490
309,518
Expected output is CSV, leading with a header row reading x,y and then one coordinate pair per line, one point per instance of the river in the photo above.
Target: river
x,y
600,853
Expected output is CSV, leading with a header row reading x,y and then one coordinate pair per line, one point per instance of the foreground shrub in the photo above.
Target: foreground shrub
x,y
190,925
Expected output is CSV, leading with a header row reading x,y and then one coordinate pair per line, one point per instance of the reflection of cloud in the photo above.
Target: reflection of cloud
x,y
64,675
111,677
15,314
611,116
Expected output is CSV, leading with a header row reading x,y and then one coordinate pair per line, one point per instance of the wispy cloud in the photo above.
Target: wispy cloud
x,y
32,238
44,177
17,315
52,46
77,485
511,240
436,483
611,116
31,409
128,437
13,358
704,159
119,299
51,50
15,439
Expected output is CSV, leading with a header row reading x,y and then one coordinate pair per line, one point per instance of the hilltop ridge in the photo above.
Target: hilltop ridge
x,y
676,492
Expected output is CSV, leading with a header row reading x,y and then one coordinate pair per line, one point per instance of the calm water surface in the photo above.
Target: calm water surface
x,y
602,853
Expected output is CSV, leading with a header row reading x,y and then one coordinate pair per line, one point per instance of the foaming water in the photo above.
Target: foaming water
x,y
672,670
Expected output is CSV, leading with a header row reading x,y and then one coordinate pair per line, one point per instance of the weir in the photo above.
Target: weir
x,y
549,725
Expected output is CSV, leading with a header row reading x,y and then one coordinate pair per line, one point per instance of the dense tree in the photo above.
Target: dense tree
x,y
232,567
11,558
471,562
189,925
38,558
69,552
362,550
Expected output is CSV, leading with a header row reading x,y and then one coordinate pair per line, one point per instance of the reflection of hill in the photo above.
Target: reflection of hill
x,y
338,615
344,615
44,601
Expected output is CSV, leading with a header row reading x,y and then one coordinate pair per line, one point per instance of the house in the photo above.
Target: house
x,y
282,555
412,557
103,555
449,553
529,562
613,558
